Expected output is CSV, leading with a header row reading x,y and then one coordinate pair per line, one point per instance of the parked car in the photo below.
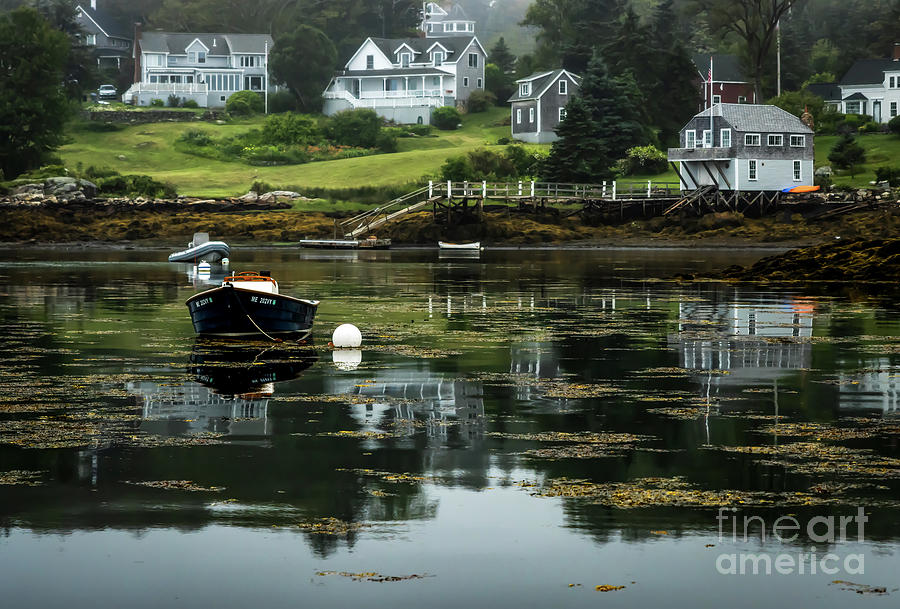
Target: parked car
x,y
106,92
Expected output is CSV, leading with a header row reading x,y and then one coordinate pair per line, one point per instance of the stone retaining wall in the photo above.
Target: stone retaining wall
x,y
150,116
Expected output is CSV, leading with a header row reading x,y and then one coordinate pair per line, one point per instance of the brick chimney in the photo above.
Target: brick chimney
x,y
136,52
896,55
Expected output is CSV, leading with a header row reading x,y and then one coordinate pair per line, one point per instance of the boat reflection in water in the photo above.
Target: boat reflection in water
x,y
230,391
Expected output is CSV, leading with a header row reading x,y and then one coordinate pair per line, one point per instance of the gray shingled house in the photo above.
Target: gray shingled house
x,y
539,104
207,68
108,38
749,148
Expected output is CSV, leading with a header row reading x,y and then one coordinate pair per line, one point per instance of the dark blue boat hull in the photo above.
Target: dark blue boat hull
x,y
229,311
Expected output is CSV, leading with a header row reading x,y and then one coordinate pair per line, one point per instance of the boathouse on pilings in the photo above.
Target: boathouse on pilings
x,y
744,148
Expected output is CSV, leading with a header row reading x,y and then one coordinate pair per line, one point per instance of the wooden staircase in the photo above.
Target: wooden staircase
x,y
373,218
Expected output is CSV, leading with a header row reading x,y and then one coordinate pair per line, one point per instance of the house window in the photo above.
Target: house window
x,y
478,83
437,58
192,58
751,139
530,115
751,170
473,60
717,99
775,140
707,138
370,62
893,109
893,82
852,107
725,138
798,171
201,56
525,89
690,139
404,60
518,116
562,114
90,39
798,141
465,81
742,99
563,87
448,27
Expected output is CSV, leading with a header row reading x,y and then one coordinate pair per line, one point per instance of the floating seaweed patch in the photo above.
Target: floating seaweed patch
x,y
332,526
668,492
822,431
816,458
386,476
21,477
682,414
861,588
582,437
372,576
177,485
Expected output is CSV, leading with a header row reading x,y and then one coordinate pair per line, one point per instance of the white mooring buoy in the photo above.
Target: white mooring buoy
x,y
346,335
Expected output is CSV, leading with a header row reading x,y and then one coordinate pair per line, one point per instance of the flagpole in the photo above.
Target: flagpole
x,y
778,53
266,84
711,134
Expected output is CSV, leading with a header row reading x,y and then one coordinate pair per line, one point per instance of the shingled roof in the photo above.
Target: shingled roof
x,y
757,118
829,91
868,72
111,24
455,44
726,68
539,81
218,44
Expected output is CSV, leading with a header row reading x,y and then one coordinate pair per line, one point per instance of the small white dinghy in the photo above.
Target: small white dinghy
x,y
472,246
201,248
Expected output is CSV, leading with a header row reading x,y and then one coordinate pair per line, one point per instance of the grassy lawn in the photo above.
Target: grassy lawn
x,y
149,149
882,150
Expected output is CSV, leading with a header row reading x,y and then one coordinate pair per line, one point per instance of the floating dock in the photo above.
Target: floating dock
x,y
346,244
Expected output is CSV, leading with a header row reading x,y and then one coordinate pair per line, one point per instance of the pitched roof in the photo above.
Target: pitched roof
x,y
218,44
726,68
111,24
455,44
855,96
757,117
539,83
829,91
423,71
868,72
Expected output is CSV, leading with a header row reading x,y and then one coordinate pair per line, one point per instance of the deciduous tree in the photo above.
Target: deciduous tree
x,y
304,59
33,106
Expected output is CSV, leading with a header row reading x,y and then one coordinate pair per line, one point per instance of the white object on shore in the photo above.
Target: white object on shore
x,y
346,359
225,261
346,335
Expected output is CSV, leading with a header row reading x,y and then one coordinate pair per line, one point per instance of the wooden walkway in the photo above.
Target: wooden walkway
x,y
606,201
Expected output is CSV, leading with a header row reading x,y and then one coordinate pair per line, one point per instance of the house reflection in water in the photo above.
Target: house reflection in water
x,y
192,408
404,402
751,341
874,389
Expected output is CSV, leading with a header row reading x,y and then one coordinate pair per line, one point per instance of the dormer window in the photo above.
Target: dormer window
x,y
525,89
201,56
437,58
405,58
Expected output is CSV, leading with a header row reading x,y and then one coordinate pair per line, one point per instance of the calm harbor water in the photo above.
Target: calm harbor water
x,y
519,429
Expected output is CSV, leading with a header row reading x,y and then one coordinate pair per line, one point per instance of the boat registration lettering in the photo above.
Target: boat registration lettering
x,y
265,301
203,302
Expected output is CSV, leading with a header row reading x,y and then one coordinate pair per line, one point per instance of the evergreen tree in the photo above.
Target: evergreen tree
x,y
33,107
501,56
600,126
847,154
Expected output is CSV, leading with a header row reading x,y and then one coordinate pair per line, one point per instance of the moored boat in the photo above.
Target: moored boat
x,y
447,245
248,304
201,248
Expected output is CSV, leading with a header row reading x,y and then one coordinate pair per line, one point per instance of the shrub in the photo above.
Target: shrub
x,y
282,101
445,118
190,103
245,103
157,103
891,175
261,187
503,141
481,100
642,160
386,142
196,137
173,101
870,127
290,129
894,125
135,185
847,154
354,128
457,169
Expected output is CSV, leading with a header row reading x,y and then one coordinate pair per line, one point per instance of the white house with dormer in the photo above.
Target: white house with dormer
x,y
207,68
403,79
